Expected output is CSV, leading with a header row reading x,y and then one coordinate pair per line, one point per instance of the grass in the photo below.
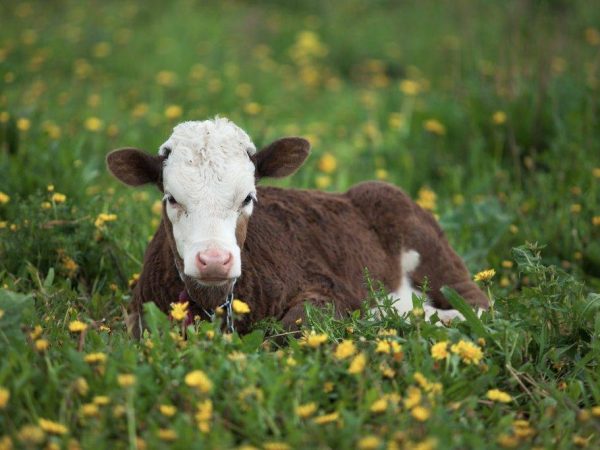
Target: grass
x,y
486,112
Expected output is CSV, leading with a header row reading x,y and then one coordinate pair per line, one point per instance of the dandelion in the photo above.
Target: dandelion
x,y
46,205
81,386
4,198
426,199
102,218
595,411
77,326
31,434
410,87
413,397
166,78
596,221
323,181
52,427
198,379
580,441
388,347
596,172
314,340
179,311
58,198
166,434
133,280
379,406
421,413
507,441
345,349
468,352
1,313
396,120
89,410
23,124
575,208
4,397
592,36
358,364
240,307
499,118
497,395
327,163
439,350
369,443
173,112
386,370
485,275
435,127
126,380
381,174
101,400
102,49
95,358
93,124
35,333
306,410
41,345
167,410
252,108
276,445
204,415
326,418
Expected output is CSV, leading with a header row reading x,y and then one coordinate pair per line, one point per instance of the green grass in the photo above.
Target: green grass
x,y
518,192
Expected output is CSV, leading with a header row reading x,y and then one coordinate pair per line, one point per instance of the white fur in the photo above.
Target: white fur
x,y
209,173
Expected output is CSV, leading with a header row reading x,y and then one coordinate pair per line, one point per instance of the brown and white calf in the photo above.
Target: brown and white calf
x,y
278,248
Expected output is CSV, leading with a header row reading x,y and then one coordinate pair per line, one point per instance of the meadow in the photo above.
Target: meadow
x,y
487,113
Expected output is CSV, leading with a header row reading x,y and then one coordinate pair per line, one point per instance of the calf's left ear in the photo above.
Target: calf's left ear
x,y
281,158
134,167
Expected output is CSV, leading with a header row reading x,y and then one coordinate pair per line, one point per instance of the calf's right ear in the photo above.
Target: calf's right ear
x,y
134,167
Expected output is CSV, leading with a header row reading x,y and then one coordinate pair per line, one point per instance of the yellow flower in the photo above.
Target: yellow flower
x,y
276,445
77,326
323,181
435,127
52,427
46,205
23,124
41,345
345,349
179,311
369,443
166,78
358,364
499,118
439,350
4,198
31,434
95,358
306,410
103,218
388,347
575,208
596,172
4,397
468,352
89,410
421,413
93,124
101,400
426,199
166,434
592,36
327,163
35,333
596,221
595,411
240,307
379,406
58,198
81,386
497,395
314,340
326,418
126,380
173,112
167,410
410,87
381,174
413,397
203,415
198,379
252,108
485,275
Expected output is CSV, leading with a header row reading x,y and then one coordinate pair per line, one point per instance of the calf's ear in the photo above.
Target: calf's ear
x,y
281,158
134,167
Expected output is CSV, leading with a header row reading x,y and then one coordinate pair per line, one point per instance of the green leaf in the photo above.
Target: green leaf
x,y
155,319
465,309
49,278
13,305
252,342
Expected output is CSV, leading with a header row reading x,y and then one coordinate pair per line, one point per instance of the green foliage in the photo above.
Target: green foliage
x,y
486,112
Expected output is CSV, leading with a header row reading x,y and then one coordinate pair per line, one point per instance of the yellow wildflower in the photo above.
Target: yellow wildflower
x,y
58,198
179,311
23,124
166,434
52,427
167,410
421,413
596,221
252,108
31,434
314,340
358,364
93,124
306,410
485,275
328,387
426,199
95,358
173,112
46,205
439,350
497,395
499,118
203,415
323,181
103,218
101,400
4,397
4,198
327,163
89,410
381,174
198,379
581,441
126,380
595,411
41,345
35,333
388,347
435,127
468,352
507,441
410,87
575,208
386,370
276,445
240,307
81,386
379,406
592,36
326,418
345,349
166,78
370,442
77,326
413,397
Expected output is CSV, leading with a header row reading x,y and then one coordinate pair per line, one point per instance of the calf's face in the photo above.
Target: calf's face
x,y
208,172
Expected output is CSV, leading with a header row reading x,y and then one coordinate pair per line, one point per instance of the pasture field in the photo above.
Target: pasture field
x,y
486,112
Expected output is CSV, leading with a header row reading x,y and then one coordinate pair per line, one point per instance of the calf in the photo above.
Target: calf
x,y
276,249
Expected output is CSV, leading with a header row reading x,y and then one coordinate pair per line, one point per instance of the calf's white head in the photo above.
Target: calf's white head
x,y
208,172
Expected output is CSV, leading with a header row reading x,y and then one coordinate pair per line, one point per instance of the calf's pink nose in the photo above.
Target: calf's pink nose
x,y
214,263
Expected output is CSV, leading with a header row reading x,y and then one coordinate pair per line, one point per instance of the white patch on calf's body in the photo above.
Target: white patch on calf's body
x,y
208,173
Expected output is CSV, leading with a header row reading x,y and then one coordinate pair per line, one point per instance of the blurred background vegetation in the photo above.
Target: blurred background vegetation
x,y
486,112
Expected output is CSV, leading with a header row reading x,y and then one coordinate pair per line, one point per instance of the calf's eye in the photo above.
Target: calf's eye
x,y
171,200
247,200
